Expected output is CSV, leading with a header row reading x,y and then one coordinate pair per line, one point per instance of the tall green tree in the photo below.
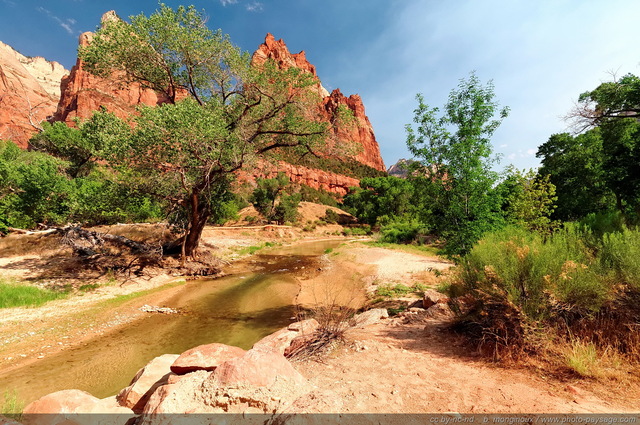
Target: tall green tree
x,y
614,107
233,113
456,153
380,200
575,166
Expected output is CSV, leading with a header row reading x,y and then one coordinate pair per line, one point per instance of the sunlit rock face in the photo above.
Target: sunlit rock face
x,y
361,133
29,93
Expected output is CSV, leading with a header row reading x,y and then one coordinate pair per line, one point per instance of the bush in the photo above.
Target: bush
x,y
572,283
401,232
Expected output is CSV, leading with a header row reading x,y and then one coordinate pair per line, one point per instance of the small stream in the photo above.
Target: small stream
x,y
237,309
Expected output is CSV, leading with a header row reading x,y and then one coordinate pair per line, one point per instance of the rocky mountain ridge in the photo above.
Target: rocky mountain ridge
x,y
60,95
29,93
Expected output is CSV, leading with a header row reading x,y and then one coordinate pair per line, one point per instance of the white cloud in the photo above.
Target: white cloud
x,y
255,7
228,2
67,24
531,151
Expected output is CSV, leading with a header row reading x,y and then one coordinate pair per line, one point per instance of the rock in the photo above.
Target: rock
x,y
55,407
432,297
155,309
305,326
281,340
205,357
257,368
361,133
83,93
29,93
183,396
154,374
370,317
439,311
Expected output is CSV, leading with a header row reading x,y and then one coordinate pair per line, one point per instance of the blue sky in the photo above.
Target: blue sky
x,y
540,54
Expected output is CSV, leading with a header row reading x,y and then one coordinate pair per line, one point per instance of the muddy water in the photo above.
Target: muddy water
x,y
238,309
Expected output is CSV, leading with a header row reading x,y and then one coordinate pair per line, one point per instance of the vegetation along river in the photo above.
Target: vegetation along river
x,y
238,309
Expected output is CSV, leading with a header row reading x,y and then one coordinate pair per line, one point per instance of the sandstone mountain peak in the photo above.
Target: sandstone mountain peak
x,y
110,16
29,93
362,134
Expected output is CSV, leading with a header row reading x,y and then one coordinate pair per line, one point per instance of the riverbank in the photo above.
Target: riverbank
x,y
403,364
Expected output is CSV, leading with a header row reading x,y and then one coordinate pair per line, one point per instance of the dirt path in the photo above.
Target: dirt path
x,y
419,368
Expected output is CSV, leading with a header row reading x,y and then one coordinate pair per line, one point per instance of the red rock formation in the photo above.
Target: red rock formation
x,y
361,133
83,93
29,93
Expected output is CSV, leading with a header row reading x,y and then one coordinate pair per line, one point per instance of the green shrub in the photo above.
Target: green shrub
x,y
621,253
401,232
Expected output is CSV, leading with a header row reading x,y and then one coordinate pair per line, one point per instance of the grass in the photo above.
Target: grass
x,y
250,250
328,250
582,358
388,291
13,294
11,405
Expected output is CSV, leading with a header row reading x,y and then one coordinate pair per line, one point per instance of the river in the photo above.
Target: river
x,y
238,309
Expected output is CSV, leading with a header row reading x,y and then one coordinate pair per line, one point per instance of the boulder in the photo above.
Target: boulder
x,y
432,297
154,374
439,311
281,340
205,357
370,317
258,368
181,396
53,408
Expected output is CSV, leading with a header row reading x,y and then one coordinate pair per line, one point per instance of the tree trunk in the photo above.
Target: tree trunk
x,y
187,244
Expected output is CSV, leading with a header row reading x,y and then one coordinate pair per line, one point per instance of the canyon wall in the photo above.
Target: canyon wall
x,y
32,90
29,93
359,133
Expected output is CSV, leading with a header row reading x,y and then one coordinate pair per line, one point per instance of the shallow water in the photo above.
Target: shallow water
x,y
237,310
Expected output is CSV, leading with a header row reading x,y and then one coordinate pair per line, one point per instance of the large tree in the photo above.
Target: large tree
x,y
231,112
614,108
457,156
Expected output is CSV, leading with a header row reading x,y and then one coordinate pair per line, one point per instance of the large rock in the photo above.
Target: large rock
x,y
65,401
150,377
29,93
281,340
205,357
370,317
257,368
432,297
183,396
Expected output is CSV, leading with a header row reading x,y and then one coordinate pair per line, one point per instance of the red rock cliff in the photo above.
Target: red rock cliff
x,y
83,93
361,133
29,93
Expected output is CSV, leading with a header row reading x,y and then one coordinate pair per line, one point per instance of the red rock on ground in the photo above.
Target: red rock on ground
x,y
150,377
205,357
257,368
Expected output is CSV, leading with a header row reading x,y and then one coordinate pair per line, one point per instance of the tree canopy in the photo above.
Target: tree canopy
x,y
457,158
222,113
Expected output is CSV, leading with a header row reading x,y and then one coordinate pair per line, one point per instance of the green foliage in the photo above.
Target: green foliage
x,y
612,99
331,216
535,273
577,170
20,295
363,230
310,194
183,151
380,200
270,199
343,165
398,290
621,253
456,153
401,232
33,187
528,199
